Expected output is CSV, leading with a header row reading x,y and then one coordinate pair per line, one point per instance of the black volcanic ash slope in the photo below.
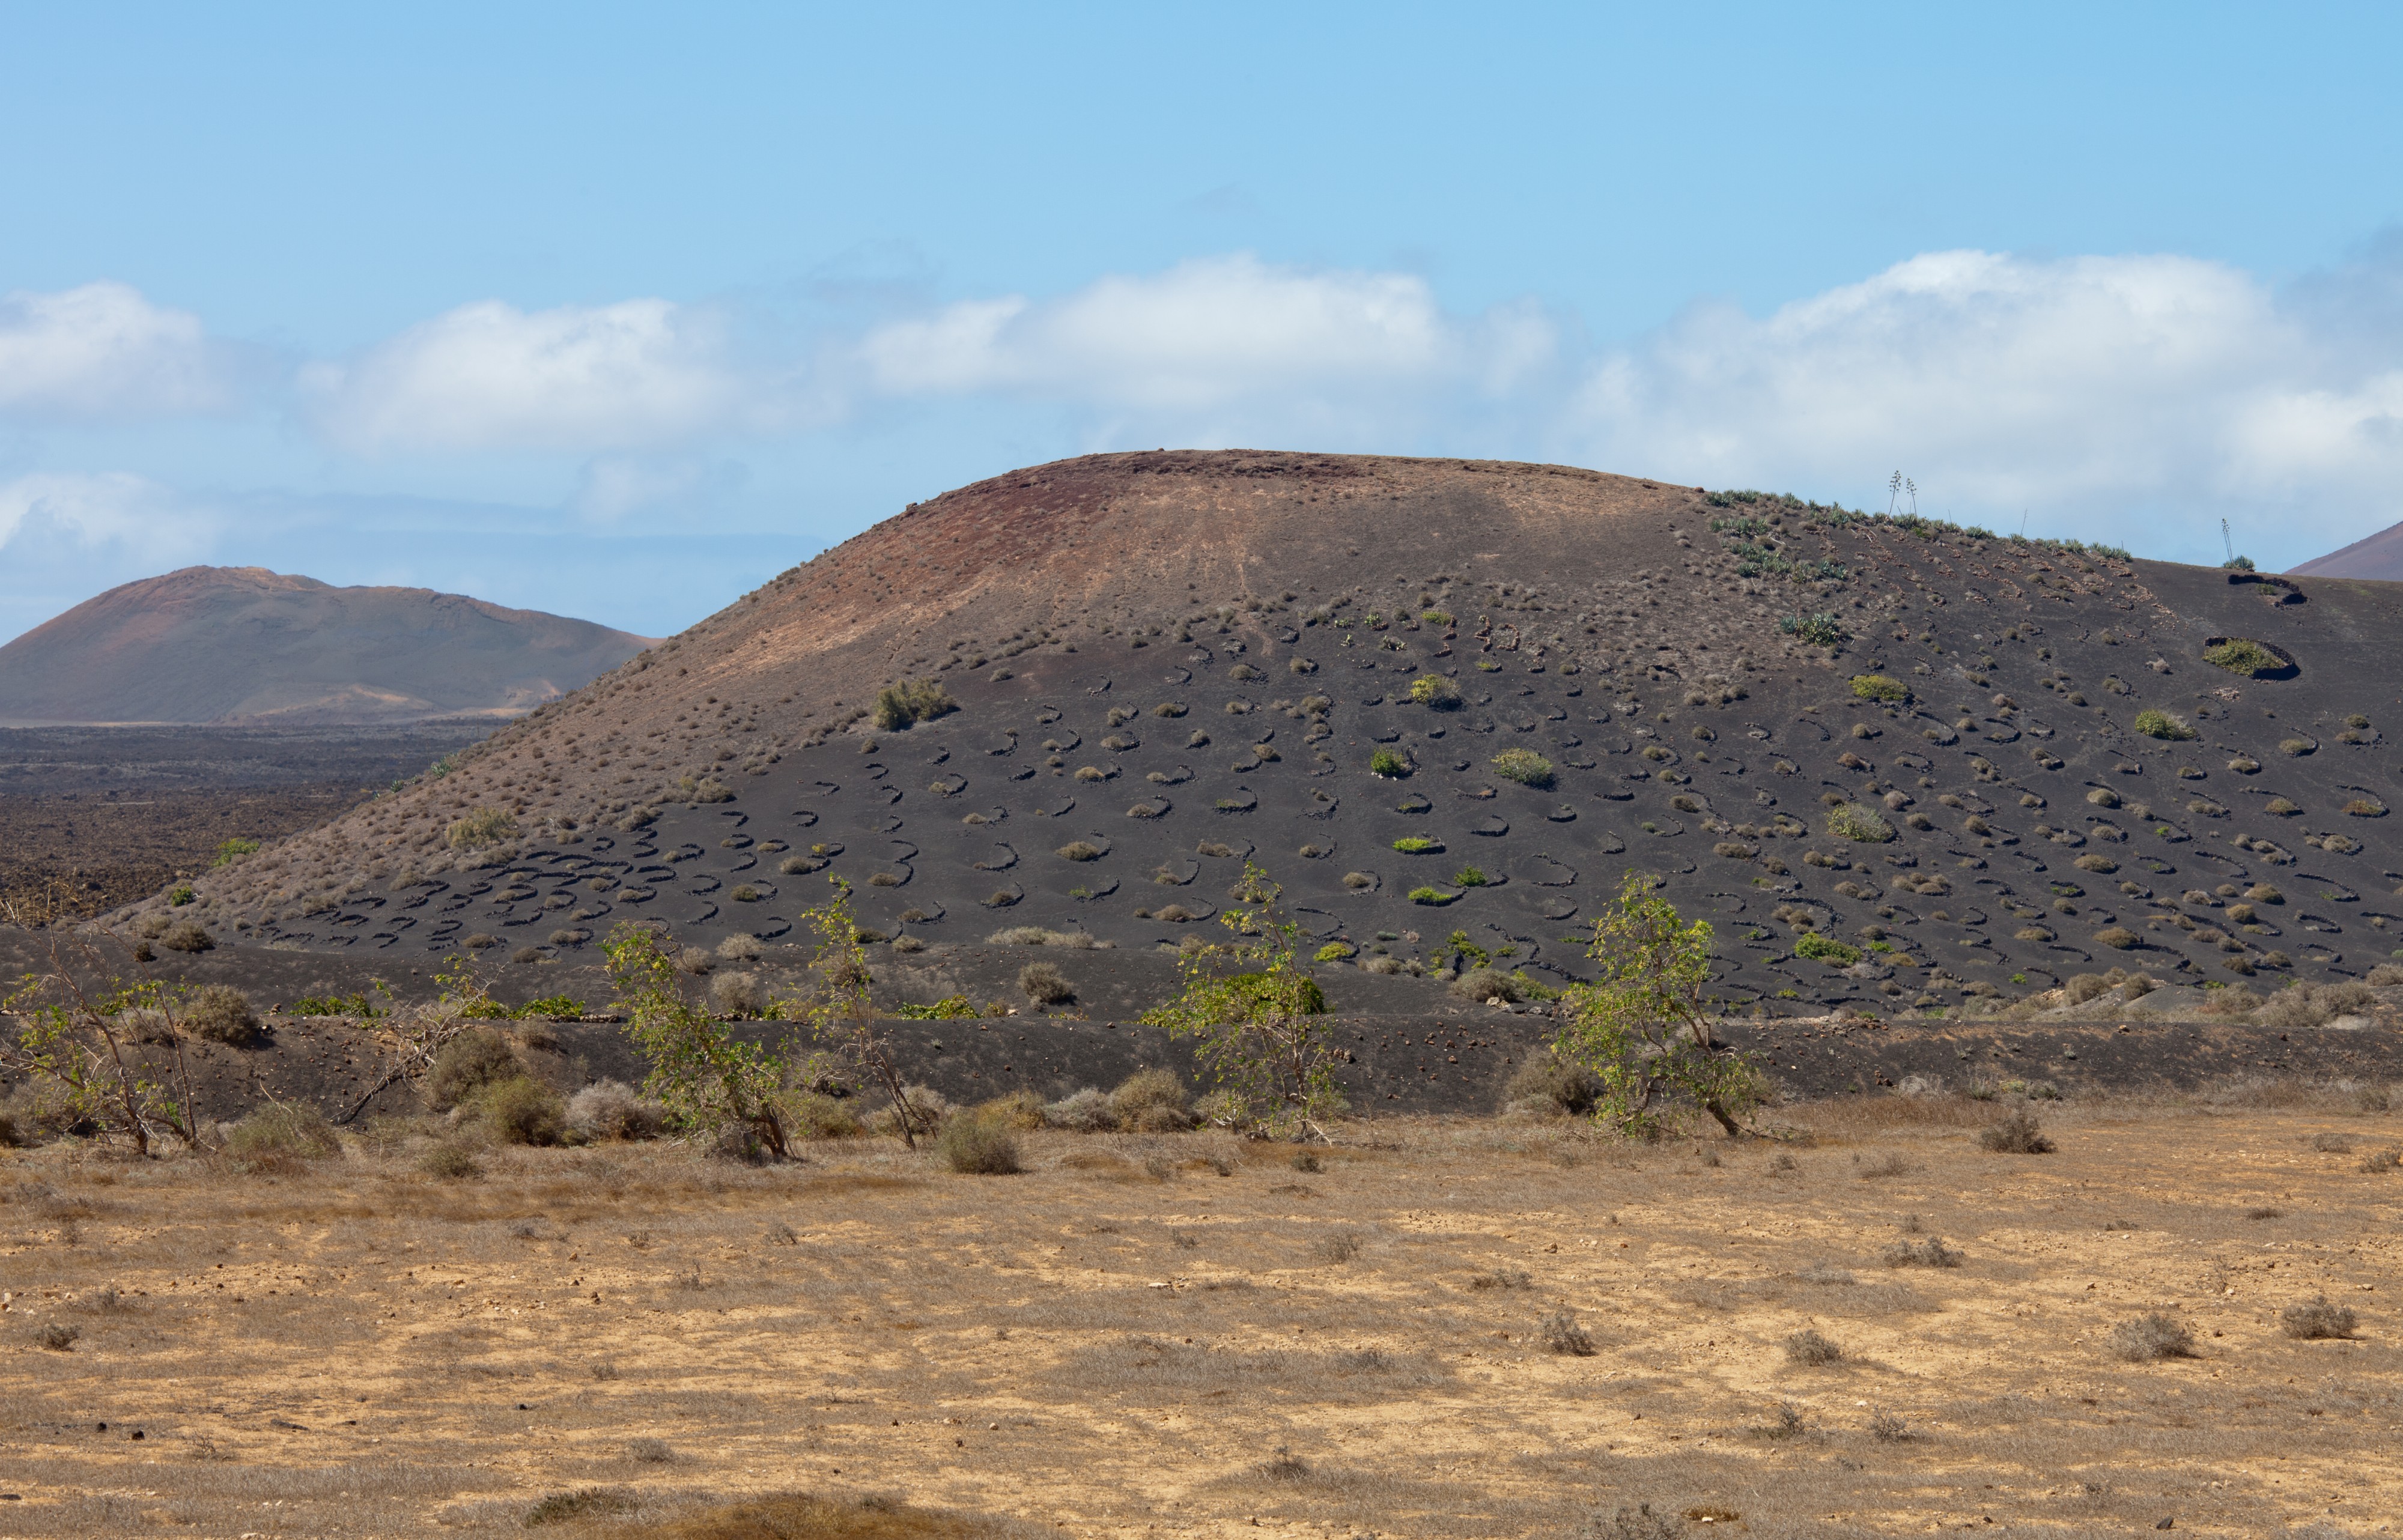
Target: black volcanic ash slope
x,y
1111,778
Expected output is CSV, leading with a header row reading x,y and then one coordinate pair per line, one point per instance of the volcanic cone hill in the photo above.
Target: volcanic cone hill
x,y
243,645
1447,704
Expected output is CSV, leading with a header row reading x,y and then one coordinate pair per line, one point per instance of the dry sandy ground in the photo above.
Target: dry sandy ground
x,y
1125,1339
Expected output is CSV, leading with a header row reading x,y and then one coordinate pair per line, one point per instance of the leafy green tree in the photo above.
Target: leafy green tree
x,y
838,1009
1642,1026
1257,1018
706,1078
73,1036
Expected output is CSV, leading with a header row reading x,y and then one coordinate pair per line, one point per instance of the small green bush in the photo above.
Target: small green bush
x,y
980,1143
1389,764
1524,766
280,1134
188,936
221,1013
1151,1101
915,700
1435,691
523,1110
1080,850
1821,948
2160,724
1469,877
2241,655
1436,897
1853,821
467,1064
1877,687
1417,844
482,829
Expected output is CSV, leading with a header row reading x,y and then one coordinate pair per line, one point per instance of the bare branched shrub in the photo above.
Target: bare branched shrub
x,y
2147,1338
2317,1320
1930,1252
281,1136
1045,984
1562,1335
611,1109
2018,1134
1551,1086
739,995
1808,1349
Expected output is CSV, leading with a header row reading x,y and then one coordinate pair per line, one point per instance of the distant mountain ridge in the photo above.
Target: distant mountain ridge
x,y
233,646
2377,557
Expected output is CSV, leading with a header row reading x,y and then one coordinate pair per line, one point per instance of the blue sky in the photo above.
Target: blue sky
x,y
616,310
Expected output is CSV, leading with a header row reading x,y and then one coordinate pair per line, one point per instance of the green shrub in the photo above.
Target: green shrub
x,y
1151,1101
1877,687
913,700
1418,844
2160,724
221,1013
180,894
1434,691
1820,948
1488,983
2241,655
230,851
1823,630
523,1110
188,936
980,1143
951,1007
816,1114
1550,1083
1433,896
1853,821
482,829
1524,766
1469,877
467,1064
1389,764
280,1134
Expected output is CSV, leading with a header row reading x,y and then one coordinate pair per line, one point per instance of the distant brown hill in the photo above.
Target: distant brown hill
x,y
2378,556
244,645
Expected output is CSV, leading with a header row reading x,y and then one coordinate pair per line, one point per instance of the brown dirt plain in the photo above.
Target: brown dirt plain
x,y
1191,1335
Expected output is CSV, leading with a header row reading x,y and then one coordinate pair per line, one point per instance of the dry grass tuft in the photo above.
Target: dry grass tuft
x,y
1809,1349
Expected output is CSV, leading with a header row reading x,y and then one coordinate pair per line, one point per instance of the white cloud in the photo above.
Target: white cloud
x,y
616,487
110,508
490,376
103,351
1206,335
2085,388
